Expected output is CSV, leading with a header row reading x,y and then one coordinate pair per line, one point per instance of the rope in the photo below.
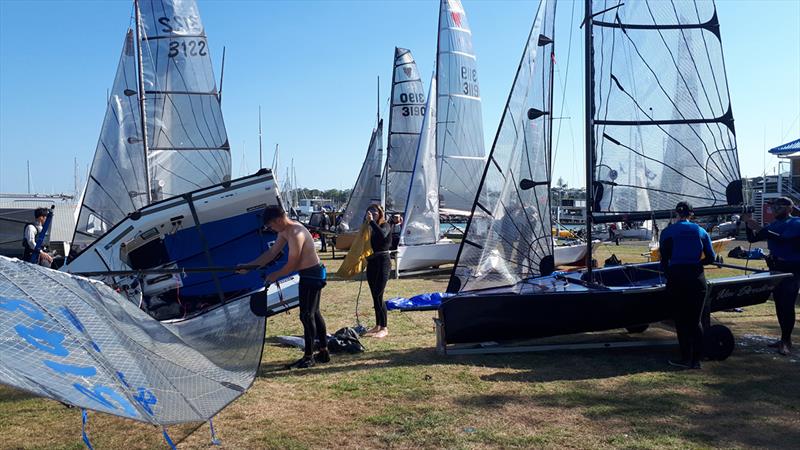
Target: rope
x,y
167,439
214,439
84,436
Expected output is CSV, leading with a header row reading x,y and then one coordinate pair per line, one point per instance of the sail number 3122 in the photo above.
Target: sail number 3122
x,y
187,48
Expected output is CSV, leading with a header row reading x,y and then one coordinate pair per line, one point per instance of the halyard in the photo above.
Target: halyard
x,y
401,394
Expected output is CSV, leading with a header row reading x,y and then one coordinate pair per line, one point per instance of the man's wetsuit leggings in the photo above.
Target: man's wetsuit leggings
x,y
312,280
686,287
785,297
378,270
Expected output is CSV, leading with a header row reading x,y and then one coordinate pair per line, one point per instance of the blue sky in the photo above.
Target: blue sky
x,y
312,66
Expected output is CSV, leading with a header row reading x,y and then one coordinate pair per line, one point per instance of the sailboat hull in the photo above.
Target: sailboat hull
x,y
566,255
345,240
220,226
419,257
565,304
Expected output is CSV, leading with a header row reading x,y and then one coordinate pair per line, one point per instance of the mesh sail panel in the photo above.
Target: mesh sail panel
x,y
509,236
459,135
79,342
405,122
421,224
188,145
367,189
663,122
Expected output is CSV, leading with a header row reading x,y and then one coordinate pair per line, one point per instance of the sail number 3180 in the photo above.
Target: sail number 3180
x,y
469,79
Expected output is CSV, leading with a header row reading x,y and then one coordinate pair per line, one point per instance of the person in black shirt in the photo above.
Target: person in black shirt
x,y
323,227
379,266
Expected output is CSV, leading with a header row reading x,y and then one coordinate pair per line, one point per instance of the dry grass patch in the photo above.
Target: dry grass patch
x,y
400,394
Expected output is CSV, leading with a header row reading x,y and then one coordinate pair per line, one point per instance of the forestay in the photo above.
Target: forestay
x,y
367,189
663,126
79,342
508,237
459,137
187,143
421,224
405,121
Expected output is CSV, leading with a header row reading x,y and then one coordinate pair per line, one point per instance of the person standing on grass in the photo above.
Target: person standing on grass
x,y
379,266
302,259
783,239
323,228
685,248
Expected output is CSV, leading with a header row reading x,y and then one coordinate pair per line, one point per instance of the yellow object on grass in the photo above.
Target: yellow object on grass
x,y
718,246
356,259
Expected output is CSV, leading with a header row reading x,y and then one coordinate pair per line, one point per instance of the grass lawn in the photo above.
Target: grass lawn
x,y
401,394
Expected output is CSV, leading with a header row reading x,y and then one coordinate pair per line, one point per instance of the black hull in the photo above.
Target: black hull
x,y
497,315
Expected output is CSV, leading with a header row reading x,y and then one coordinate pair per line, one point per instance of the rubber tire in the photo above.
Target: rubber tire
x,y
636,329
718,343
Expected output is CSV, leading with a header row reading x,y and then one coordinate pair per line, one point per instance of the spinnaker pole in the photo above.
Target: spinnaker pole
x,y
142,114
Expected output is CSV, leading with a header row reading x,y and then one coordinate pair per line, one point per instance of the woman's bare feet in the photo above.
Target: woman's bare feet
x,y
382,333
372,330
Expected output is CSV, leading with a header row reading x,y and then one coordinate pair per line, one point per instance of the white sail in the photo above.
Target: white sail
x,y
459,141
367,189
508,237
187,143
421,224
405,121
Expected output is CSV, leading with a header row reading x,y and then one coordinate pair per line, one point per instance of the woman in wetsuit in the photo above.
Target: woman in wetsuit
x,y
378,266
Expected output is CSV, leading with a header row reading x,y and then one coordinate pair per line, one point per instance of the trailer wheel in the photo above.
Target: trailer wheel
x,y
718,342
636,329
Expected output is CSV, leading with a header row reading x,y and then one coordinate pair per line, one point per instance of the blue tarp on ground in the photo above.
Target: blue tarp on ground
x,y
422,302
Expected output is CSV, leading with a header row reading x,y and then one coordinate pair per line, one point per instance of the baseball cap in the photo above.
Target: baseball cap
x,y
684,208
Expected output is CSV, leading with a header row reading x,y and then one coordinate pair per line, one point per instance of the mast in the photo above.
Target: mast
x,y
589,111
142,114
389,134
436,92
260,151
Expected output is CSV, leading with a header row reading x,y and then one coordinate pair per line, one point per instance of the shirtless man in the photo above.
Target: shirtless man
x,y
302,259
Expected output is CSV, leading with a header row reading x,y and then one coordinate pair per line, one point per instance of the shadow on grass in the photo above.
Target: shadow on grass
x,y
529,367
9,395
743,403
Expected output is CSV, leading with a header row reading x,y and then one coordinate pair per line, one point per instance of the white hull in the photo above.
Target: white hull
x,y
418,257
167,235
569,254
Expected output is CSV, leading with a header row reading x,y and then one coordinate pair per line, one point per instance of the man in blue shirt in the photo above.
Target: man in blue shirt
x,y
783,240
684,248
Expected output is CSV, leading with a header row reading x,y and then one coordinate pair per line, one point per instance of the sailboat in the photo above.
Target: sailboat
x,y
159,201
456,135
367,191
638,96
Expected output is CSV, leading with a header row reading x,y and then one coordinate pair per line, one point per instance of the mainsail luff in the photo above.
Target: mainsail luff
x,y
459,137
367,189
182,120
508,236
405,122
672,50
